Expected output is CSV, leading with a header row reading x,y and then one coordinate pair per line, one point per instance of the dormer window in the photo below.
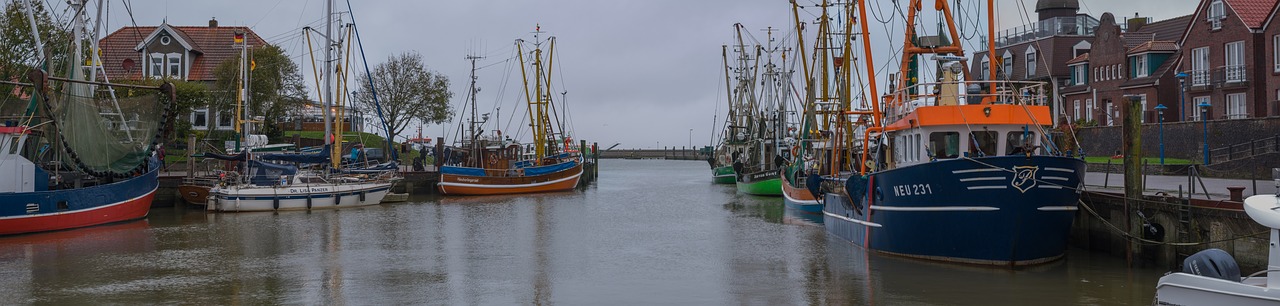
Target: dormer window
x,y
165,65
984,69
157,65
175,65
1217,12
1007,64
1031,62
1140,66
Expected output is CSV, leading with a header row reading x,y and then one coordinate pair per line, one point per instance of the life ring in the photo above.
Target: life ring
x,y
493,158
795,151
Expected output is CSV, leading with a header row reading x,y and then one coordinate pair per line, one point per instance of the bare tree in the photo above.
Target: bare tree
x,y
407,91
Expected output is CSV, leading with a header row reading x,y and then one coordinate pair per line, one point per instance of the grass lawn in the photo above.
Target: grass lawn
x,y
1148,160
369,138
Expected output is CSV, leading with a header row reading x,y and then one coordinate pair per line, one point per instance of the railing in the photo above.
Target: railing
x,y
1200,77
1082,25
1006,92
1232,73
1245,150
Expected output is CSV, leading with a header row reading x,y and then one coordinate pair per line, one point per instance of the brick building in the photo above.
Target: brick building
x,y
1039,51
1225,51
1131,61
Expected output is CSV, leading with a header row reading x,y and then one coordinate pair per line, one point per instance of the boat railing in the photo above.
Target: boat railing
x,y
905,101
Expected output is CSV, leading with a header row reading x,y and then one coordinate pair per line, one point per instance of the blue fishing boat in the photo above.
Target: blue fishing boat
x,y
959,170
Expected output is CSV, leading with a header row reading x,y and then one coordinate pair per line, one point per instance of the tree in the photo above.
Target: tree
x,y
408,91
275,87
17,47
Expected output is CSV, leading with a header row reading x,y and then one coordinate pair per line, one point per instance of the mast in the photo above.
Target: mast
x,y
328,80
471,130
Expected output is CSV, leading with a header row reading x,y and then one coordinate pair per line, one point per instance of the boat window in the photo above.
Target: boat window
x,y
945,144
982,143
917,148
1019,142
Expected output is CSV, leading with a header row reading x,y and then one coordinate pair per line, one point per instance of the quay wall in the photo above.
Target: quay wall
x,y
1185,140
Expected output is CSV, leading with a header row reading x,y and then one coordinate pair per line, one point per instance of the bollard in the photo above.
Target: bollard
x,y
1237,193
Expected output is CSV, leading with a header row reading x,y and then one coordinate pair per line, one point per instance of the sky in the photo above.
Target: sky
x,y
641,73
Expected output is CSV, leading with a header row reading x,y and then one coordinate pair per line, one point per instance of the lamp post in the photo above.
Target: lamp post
x,y
1182,97
1204,118
1160,120
690,139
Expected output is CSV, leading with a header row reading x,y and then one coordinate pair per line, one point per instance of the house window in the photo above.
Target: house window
x,y
1007,64
1236,106
224,120
1217,12
985,69
1031,62
1143,100
1075,104
1234,70
157,65
1196,102
1108,112
1200,66
1088,110
175,65
1140,66
200,119
1275,53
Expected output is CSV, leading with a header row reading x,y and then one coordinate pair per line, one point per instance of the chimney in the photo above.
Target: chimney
x,y
1136,23
213,22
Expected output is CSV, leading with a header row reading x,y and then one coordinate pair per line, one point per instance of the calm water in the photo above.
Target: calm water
x,y
648,232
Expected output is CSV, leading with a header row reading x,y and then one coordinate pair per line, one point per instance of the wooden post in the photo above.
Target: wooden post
x,y
191,149
439,153
1132,166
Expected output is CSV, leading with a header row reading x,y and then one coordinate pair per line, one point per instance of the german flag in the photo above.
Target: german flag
x,y
239,38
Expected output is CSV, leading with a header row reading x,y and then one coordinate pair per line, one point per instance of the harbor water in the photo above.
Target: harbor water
x,y
647,232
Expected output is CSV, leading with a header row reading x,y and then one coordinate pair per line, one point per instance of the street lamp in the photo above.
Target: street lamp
x,y
1182,97
1204,117
1160,120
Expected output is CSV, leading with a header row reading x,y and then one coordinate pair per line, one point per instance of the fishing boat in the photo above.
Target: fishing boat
x,y
273,182
481,165
100,165
757,115
1212,277
960,170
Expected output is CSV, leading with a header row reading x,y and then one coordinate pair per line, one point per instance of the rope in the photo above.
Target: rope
x,y
1153,242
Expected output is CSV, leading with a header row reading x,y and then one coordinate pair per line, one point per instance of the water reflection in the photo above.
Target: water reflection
x,y
650,232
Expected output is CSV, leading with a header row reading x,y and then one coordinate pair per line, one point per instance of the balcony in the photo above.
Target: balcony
x,y
1081,25
1200,78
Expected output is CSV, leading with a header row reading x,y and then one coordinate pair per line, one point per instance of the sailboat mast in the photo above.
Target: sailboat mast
x,y
328,79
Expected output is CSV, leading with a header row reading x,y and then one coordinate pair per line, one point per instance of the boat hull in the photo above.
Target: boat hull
x,y
799,198
194,194
41,211
764,183
296,197
1190,289
723,175
1011,210
456,184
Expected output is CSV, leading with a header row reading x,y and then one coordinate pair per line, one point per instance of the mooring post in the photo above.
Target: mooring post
x,y
1132,165
439,156
191,162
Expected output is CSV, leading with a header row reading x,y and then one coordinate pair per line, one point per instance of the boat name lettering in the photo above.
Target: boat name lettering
x,y
468,180
912,190
312,189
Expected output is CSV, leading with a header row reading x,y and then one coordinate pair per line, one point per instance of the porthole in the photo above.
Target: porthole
x,y
164,40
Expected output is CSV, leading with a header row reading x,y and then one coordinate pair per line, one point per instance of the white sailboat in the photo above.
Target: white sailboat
x,y
274,186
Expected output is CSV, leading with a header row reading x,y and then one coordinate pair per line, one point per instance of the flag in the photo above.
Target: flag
x,y
239,38
253,64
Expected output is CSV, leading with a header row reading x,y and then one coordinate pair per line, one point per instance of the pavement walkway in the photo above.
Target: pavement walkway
x,y
1217,188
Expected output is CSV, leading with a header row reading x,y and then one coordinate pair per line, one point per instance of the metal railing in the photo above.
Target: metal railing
x,y
1232,73
1200,77
1082,25
1006,92
1245,150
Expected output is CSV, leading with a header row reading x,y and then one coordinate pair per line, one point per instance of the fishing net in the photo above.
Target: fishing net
x,y
110,133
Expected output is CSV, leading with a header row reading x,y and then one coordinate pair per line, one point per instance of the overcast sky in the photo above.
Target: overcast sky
x,y
639,72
